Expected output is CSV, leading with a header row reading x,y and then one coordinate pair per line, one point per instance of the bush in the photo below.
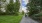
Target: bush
x,y
34,11
23,12
37,16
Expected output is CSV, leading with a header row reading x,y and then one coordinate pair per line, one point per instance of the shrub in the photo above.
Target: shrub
x,y
34,11
37,16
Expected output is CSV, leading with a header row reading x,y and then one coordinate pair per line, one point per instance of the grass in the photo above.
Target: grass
x,y
10,19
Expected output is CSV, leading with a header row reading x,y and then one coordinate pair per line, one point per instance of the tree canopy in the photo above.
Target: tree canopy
x,y
12,7
34,6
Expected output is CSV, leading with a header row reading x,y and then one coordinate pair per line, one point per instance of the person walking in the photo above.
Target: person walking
x,y
25,15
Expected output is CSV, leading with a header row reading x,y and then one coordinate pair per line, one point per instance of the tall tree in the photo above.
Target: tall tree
x,y
10,7
3,0
17,5
13,7
34,6
11,1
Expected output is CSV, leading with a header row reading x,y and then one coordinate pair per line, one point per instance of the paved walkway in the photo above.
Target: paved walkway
x,y
27,20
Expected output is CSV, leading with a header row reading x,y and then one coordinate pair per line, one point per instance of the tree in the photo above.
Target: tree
x,y
13,8
10,7
3,0
17,6
34,6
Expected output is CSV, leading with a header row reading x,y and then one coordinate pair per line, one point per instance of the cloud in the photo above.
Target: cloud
x,y
24,8
14,0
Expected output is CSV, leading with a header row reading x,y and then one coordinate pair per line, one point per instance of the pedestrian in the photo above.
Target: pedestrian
x,y
25,15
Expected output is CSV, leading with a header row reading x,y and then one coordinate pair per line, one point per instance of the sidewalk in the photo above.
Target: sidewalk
x,y
27,20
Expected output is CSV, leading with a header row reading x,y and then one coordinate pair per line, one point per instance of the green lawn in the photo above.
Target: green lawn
x,y
10,19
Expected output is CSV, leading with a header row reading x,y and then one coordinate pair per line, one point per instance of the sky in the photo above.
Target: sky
x,y
24,3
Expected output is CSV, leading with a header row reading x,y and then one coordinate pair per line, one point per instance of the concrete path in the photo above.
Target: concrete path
x,y
27,20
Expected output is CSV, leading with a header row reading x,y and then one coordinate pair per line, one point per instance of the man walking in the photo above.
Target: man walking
x,y
25,15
